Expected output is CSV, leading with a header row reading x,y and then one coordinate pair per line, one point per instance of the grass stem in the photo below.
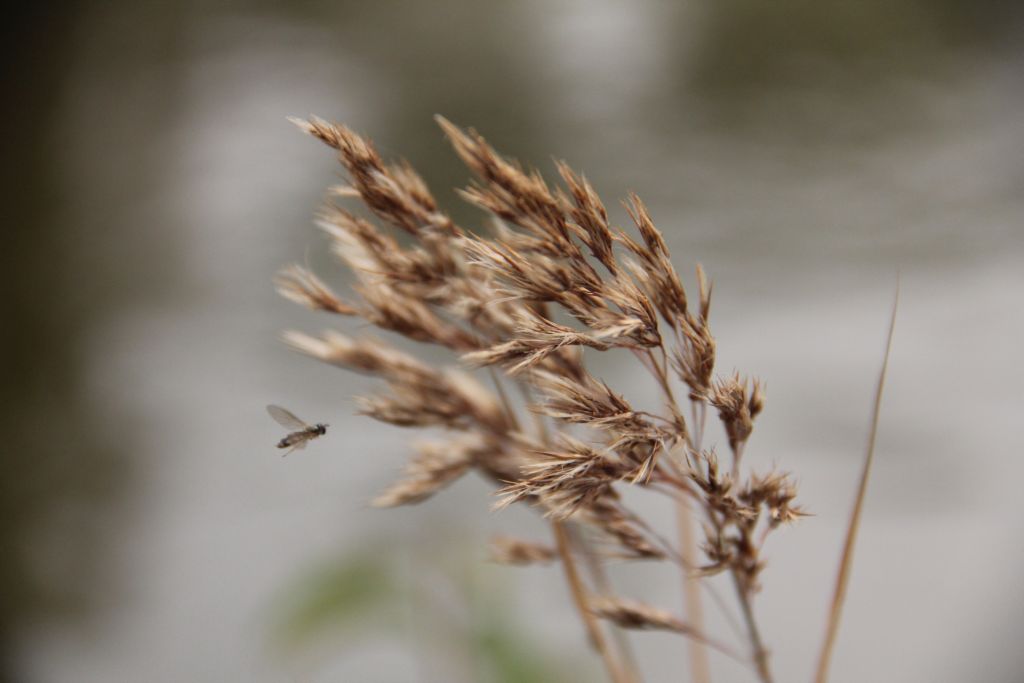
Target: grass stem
x,y
579,596
846,559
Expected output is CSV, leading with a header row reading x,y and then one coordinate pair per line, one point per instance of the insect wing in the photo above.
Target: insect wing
x,y
297,446
286,419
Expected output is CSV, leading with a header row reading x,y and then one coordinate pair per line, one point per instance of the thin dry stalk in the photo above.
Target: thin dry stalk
x,y
700,668
846,559
581,601
604,587
760,651
693,604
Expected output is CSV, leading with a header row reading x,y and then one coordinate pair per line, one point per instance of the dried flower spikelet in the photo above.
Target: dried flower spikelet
x,y
411,409
704,294
536,278
395,193
608,516
587,401
412,184
640,320
368,356
694,359
729,396
372,254
581,401
636,615
508,192
655,247
646,459
718,550
302,286
556,269
662,281
704,472
451,399
536,338
514,551
480,402
419,292
343,191
420,395
562,481
410,317
630,614
590,219
756,402
776,491
435,466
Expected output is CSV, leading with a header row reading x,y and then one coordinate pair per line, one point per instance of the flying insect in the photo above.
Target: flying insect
x,y
300,433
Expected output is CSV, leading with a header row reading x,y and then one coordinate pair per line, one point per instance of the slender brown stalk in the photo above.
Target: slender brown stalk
x,y
760,653
846,559
693,607
600,578
581,600
700,668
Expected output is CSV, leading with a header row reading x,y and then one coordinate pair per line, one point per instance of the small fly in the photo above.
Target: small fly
x,y
301,433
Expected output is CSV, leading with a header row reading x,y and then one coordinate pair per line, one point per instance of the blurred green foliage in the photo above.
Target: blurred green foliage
x,y
360,596
335,596
507,655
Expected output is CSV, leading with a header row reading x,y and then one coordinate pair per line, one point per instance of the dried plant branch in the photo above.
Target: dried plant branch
x,y
507,550
846,559
630,614
435,466
555,277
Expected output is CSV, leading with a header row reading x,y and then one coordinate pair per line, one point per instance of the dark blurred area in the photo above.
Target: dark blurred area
x,y
152,185
65,468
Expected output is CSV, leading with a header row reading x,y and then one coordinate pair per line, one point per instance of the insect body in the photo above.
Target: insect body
x,y
301,433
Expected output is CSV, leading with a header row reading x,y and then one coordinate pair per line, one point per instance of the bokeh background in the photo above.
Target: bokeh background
x,y
804,152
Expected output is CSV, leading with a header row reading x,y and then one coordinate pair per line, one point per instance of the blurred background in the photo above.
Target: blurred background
x,y
803,152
